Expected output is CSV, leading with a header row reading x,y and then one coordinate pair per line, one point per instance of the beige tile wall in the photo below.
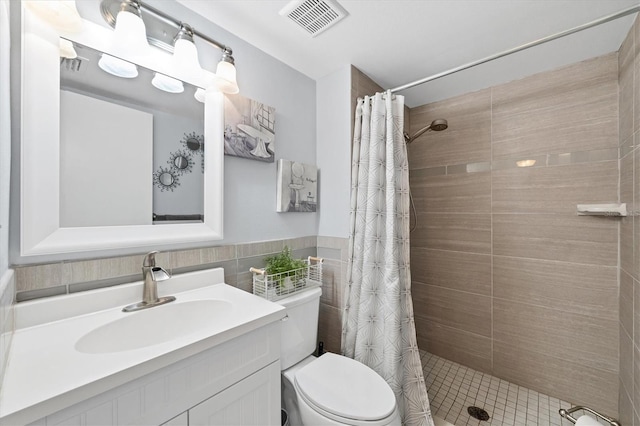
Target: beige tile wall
x,y
629,301
453,229
506,277
467,140
60,278
334,251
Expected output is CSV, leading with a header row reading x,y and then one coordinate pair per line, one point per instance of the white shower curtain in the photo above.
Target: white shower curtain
x,y
378,326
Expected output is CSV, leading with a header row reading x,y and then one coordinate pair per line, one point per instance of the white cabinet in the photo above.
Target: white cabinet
x,y
181,420
233,383
255,401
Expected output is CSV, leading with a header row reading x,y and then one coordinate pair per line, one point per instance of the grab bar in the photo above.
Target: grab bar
x,y
567,415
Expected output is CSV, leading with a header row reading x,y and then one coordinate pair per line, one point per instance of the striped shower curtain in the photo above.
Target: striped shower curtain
x,y
378,325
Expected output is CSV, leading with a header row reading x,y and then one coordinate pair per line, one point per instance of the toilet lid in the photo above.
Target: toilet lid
x,y
346,388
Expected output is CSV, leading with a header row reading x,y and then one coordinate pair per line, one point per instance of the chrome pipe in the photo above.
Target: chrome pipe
x,y
603,20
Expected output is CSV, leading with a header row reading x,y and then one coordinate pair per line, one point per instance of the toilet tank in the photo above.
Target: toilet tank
x,y
300,328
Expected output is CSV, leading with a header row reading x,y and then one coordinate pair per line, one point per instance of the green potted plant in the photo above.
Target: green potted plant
x,y
284,267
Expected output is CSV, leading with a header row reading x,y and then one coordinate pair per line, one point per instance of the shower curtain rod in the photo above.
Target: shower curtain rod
x,y
538,42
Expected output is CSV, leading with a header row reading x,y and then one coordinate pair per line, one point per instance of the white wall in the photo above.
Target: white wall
x,y
250,186
105,180
168,131
333,93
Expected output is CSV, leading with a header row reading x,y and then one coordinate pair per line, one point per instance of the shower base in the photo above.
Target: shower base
x,y
452,388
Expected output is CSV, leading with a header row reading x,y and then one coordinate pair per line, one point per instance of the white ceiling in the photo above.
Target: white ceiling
x,y
399,41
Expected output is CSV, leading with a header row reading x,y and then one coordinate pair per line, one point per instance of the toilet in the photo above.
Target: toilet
x,y
331,389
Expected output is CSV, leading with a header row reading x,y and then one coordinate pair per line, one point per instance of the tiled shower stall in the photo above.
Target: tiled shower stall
x,y
507,279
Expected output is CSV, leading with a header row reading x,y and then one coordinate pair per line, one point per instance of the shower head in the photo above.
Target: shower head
x,y
439,125
436,125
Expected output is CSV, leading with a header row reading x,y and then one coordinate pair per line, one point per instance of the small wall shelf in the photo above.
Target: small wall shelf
x,y
611,209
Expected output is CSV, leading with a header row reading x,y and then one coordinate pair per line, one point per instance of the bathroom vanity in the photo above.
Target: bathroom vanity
x,y
209,358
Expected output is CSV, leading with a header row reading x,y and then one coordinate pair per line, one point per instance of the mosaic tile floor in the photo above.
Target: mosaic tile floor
x,y
453,387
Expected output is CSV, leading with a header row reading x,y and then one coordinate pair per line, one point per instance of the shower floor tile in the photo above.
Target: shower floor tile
x,y
453,387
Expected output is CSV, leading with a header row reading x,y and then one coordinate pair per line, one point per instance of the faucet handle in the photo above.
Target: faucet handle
x,y
150,259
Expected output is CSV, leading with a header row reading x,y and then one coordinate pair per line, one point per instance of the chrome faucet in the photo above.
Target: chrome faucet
x,y
151,274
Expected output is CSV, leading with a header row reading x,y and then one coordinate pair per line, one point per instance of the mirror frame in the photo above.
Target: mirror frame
x,y
40,231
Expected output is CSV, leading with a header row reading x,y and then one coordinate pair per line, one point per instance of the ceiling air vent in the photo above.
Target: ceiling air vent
x,y
314,16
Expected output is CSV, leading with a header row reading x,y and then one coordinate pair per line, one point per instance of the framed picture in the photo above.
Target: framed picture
x,y
249,129
297,187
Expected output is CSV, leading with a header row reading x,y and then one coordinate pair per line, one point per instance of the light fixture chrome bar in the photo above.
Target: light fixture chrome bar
x,y
108,9
184,33
170,20
603,20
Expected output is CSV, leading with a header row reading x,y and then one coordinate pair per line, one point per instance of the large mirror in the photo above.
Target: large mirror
x,y
48,226
130,152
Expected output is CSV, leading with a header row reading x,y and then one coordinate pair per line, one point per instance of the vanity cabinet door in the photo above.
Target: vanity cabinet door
x,y
181,420
253,401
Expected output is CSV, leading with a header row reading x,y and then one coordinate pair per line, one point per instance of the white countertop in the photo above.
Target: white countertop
x,y
45,372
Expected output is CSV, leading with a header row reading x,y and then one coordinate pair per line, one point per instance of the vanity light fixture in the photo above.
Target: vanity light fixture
x,y
129,39
185,53
130,34
166,83
67,50
182,45
184,62
61,14
225,80
117,66
200,95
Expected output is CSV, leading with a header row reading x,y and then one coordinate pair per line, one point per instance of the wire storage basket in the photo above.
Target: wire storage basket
x,y
277,286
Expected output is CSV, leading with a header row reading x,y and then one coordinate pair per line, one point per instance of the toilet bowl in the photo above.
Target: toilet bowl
x,y
331,389
336,390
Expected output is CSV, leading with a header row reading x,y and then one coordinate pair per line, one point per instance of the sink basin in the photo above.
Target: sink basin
x,y
152,326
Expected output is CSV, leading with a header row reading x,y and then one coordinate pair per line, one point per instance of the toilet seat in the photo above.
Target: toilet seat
x,y
346,391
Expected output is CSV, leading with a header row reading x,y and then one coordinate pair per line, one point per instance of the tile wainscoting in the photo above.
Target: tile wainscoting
x,y
54,279
34,281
